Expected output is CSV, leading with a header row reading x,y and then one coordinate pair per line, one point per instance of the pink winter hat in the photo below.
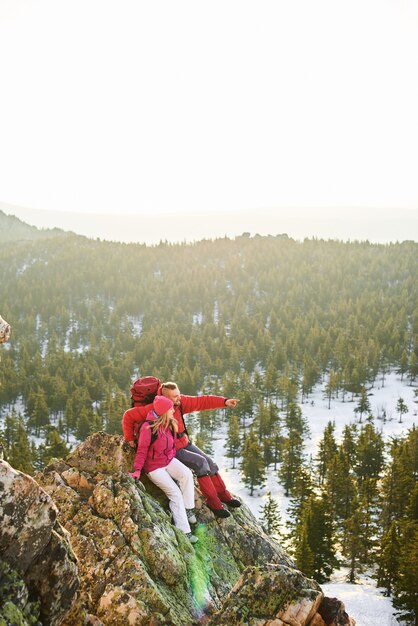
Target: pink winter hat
x,y
161,405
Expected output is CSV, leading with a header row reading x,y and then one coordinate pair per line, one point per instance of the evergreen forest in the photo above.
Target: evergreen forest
x,y
263,319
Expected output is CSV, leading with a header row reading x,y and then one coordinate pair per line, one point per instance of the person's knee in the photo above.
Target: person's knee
x,y
203,468
185,475
173,493
214,469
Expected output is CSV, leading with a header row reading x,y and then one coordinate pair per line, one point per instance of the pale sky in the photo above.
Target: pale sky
x,y
174,106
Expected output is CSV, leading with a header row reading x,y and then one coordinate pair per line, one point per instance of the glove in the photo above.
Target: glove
x,y
136,474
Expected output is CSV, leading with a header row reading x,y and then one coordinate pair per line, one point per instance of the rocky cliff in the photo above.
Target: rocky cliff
x,y
38,572
135,568
4,331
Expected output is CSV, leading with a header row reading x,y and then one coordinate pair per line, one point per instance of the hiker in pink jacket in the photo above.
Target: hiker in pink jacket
x,y
155,454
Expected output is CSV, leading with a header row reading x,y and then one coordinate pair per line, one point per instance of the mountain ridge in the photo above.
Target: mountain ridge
x,y
14,229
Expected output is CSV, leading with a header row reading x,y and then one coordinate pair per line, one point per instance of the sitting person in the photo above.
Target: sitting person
x,y
207,472
155,454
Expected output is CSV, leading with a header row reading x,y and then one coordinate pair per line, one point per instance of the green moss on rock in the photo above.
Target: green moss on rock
x,y
15,608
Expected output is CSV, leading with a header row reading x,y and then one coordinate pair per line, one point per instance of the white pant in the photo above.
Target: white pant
x,y
181,496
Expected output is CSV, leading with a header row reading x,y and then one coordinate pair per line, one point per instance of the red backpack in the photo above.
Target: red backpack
x,y
144,390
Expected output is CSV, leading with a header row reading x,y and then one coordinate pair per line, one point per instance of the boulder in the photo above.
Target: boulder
x,y
35,545
5,330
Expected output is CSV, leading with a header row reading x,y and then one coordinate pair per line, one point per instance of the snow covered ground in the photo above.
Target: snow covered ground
x,y
318,415
363,601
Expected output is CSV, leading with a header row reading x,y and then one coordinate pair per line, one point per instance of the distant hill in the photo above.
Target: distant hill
x,y
13,229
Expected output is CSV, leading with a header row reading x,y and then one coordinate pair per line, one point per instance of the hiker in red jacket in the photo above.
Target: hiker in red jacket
x,y
206,470
156,455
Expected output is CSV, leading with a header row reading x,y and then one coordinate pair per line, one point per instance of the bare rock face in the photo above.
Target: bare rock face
x,y
137,569
333,613
34,544
277,595
5,330
273,594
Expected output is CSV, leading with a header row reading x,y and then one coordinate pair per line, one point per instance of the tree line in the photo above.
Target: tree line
x,y
268,313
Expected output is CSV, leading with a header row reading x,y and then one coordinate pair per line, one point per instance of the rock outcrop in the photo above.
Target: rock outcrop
x,y
5,330
136,568
36,560
277,595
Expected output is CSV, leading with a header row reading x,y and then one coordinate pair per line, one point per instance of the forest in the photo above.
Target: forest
x,y
264,319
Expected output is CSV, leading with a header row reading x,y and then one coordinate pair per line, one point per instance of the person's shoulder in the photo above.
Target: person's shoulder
x,y
186,400
137,411
144,428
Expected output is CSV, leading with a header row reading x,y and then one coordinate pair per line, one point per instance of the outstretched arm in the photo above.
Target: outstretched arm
x,y
205,403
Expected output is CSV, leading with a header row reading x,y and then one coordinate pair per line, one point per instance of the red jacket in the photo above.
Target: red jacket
x,y
188,404
159,453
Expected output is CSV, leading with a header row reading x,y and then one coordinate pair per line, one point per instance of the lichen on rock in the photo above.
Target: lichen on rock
x,y
35,545
273,592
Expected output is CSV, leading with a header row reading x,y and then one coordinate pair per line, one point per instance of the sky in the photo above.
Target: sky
x,y
291,108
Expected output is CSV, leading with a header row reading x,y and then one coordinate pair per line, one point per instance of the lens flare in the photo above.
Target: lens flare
x,y
200,566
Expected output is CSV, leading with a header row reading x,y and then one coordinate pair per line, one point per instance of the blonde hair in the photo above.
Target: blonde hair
x,y
169,385
163,422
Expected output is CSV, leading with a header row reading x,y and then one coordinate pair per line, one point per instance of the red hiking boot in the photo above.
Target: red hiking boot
x,y
213,502
223,493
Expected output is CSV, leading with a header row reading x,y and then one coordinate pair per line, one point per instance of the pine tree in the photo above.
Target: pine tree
x,y
54,447
399,520
413,368
368,502
388,558
370,447
310,375
363,405
302,491
401,408
203,440
252,466
396,484
20,453
11,422
261,421
234,439
85,424
403,363
39,418
316,534
304,556
270,516
327,449
353,546
405,586
341,487
331,386
69,421
292,450
275,444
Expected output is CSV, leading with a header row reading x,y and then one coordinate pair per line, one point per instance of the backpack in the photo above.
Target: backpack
x,y
154,435
144,390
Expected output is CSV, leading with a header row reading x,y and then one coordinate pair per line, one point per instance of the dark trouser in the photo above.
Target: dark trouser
x,y
206,470
199,462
